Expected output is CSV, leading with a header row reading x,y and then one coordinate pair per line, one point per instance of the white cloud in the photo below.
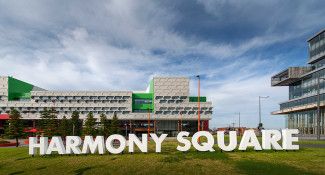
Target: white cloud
x,y
242,96
110,45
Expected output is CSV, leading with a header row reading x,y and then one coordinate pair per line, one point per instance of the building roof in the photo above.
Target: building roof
x,y
323,30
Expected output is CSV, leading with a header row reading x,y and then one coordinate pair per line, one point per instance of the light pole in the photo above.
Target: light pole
x,y
239,130
238,119
260,125
148,124
318,107
198,105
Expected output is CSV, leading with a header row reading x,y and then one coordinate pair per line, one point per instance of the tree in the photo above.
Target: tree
x,y
114,125
90,125
44,118
104,129
53,122
64,128
49,122
76,124
15,128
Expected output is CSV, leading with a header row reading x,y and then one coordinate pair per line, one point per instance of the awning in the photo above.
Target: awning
x,y
4,117
33,130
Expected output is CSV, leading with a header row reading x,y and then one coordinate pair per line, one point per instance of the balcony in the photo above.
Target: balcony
x,y
289,76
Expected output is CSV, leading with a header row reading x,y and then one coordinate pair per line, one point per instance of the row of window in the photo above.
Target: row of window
x,y
317,52
142,101
305,121
67,108
317,45
307,86
182,112
317,41
170,97
185,108
80,101
70,112
302,102
80,97
171,101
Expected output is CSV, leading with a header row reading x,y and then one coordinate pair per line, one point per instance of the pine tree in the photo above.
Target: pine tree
x,y
104,129
53,125
64,127
90,125
114,125
15,128
76,124
49,122
45,115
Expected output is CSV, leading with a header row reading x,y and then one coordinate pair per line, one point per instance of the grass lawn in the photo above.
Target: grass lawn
x,y
170,161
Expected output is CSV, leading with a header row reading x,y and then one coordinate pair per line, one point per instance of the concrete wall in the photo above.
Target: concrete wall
x,y
3,88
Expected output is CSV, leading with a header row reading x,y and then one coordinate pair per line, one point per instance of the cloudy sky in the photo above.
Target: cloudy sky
x,y
236,46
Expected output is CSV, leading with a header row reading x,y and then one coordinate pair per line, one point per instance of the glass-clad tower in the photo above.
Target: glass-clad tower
x,y
301,107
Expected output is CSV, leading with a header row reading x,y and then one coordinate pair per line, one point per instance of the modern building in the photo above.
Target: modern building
x,y
304,83
166,102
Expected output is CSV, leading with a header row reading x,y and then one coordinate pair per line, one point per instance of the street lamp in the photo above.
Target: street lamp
x,y
260,125
239,130
149,124
318,107
238,119
198,105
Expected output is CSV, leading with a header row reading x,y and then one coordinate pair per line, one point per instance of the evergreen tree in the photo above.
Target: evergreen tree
x,y
104,129
64,127
90,125
114,125
76,124
45,115
49,122
15,128
53,123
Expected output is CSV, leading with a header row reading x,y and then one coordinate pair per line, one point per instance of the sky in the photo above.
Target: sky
x,y
236,46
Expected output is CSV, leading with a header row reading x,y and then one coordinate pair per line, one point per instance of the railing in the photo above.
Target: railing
x,y
290,74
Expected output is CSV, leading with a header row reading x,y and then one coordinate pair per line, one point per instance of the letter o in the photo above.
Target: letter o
x,y
110,147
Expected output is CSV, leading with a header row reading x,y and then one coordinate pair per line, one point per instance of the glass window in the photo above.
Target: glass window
x,y
142,101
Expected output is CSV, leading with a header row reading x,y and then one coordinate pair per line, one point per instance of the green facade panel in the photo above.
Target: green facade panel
x,y
195,99
142,96
147,99
151,90
144,106
18,89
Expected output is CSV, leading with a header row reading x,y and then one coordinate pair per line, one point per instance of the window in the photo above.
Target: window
x,y
142,101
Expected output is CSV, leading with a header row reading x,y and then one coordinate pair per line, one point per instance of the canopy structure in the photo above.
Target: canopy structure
x,y
4,116
33,130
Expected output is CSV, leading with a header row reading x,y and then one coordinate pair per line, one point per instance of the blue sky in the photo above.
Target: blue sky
x,y
120,45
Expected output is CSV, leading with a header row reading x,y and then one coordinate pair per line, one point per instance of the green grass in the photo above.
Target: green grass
x,y
170,161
